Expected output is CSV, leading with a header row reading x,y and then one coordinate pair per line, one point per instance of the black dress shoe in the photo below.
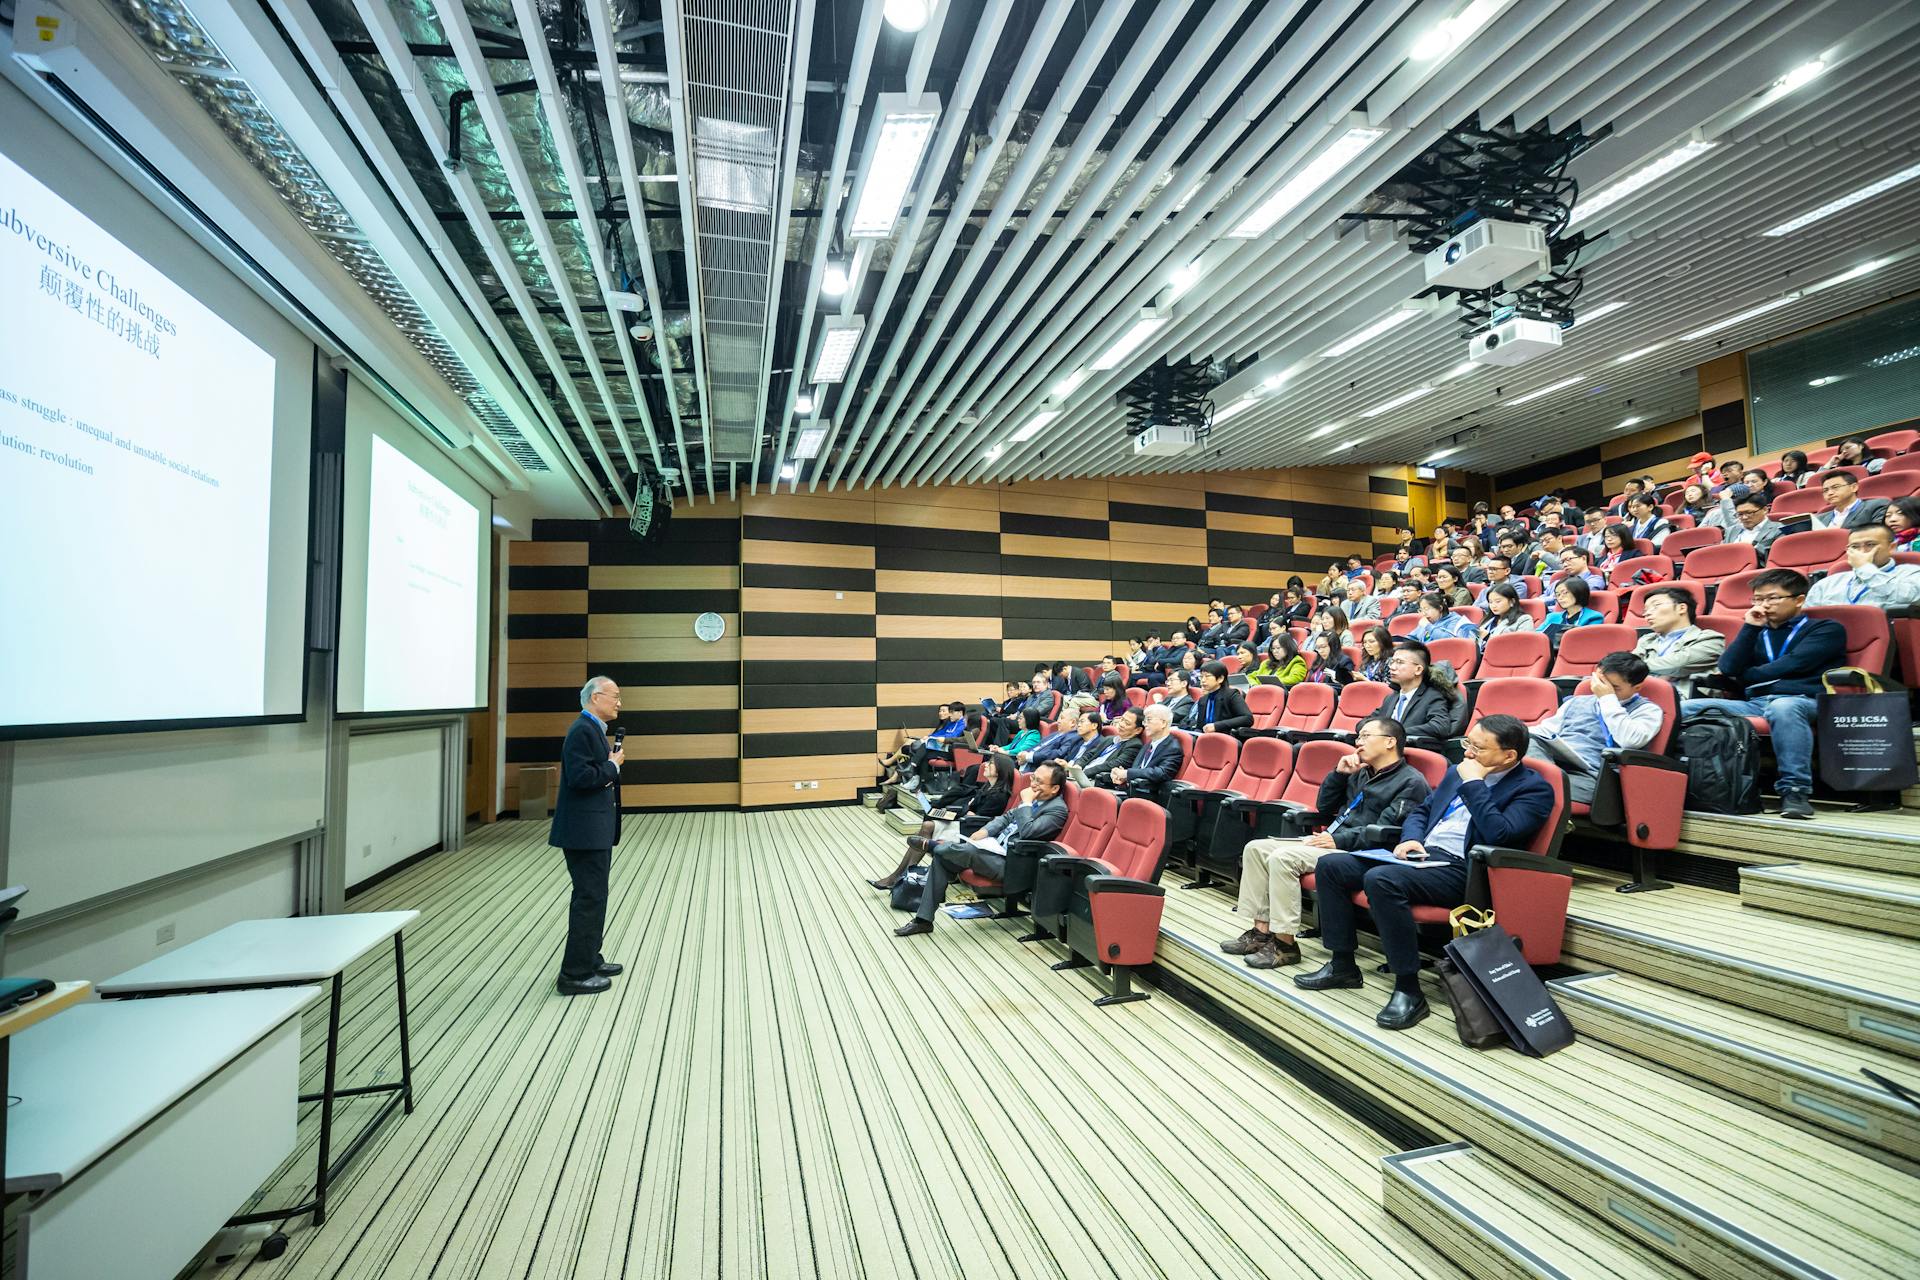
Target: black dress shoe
x,y
1329,977
1402,1011
913,928
592,986
609,969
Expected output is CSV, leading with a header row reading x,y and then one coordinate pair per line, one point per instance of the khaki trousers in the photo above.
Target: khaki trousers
x,y
1270,872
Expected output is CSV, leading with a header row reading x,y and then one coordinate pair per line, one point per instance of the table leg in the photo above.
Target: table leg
x,y
326,1105
406,1053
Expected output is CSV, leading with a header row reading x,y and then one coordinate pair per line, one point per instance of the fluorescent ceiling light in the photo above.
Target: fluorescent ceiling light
x,y
1327,430
896,141
1315,174
1549,389
1460,370
838,276
1392,320
1449,34
1847,201
803,403
1150,321
1804,74
1638,352
1827,381
1036,423
1233,410
1772,304
1069,384
1275,381
908,15
1596,313
787,472
1894,357
990,454
1626,422
1405,397
840,337
1647,174
807,443
1864,269
1185,278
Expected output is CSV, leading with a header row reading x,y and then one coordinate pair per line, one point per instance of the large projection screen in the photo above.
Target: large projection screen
x,y
155,418
415,561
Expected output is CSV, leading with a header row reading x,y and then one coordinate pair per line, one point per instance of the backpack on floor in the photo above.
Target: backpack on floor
x,y
1722,755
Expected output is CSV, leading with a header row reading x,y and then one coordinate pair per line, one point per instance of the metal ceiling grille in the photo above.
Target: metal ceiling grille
x,y
737,55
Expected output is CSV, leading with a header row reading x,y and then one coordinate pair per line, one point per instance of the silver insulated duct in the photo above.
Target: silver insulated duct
x,y
736,60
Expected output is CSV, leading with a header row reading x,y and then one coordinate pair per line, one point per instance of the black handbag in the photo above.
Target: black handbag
x,y
1864,740
1492,963
1473,1021
909,889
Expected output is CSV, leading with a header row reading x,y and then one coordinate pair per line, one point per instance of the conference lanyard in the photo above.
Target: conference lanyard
x,y
1608,733
1354,804
1856,596
1766,641
1453,808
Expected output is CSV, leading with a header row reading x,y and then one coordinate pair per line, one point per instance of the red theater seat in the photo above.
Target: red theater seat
x,y
1266,702
1529,698
1582,648
1462,654
1889,443
1719,561
1869,638
1797,502
1647,792
1309,709
1357,701
1891,484
1805,552
1114,901
1516,653
1224,819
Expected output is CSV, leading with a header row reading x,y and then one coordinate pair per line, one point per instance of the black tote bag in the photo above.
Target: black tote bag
x,y
1864,740
1491,961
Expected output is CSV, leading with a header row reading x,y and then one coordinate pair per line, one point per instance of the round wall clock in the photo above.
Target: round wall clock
x,y
709,627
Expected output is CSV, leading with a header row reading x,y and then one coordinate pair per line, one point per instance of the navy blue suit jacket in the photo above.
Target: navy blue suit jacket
x,y
1507,815
586,812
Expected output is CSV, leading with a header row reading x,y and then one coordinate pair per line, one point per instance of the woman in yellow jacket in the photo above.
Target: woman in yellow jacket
x,y
1283,664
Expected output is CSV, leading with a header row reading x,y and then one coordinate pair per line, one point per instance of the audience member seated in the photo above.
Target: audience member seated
x,y
1421,706
1696,501
1179,700
1750,522
1026,732
1577,735
1209,638
1372,785
1488,798
1236,632
1162,659
1223,708
1360,606
1095,765
1110,699
1674,648
1903,517
1446,583
1570,608
906,762
1704,469
1794,471
1041,815
1644,520
1853,453
1158,760
1616,545
1590,537
1577,563
1332,619
1376,651
1294,609
1846,508
1462,558
960,813
1283,664
1327,662
1069,679
1873,577
1775,662
1733,473
1542,560
1438,621
1500,571
1502,606
1065,738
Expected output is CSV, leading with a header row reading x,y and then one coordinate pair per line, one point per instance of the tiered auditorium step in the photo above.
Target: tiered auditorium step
x,y
1847,982
1690,1172
1801,1072
1887,840
1500,1224
1874,900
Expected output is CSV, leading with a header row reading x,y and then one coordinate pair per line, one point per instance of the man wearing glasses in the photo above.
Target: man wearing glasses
x,y
1873,576
1374,784
1777,659
1488,798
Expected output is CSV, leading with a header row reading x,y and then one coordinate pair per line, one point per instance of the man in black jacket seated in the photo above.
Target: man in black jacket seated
x,y
1223,708
1234,633
1778,657
1161,660
1488,798
1421,707
1159,757
1374,784
1042,815
1104,754
1179,701
1216,631
1065,739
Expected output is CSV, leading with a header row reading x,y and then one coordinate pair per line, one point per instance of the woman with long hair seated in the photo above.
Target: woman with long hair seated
x,y
1903,517
1327,662
1504,614
1331,620
1283,664
1697,500
1570,597
1616,544
1446,582
1111,700
1794,469
1376,651
960,814
1438,621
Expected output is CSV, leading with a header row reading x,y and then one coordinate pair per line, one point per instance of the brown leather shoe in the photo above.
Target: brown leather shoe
x,y
1246,944
1275,955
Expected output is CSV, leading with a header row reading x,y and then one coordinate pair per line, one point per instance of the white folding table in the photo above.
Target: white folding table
x,y
143,1124
294,951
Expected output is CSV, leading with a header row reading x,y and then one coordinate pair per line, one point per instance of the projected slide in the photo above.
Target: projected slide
x,y
136,451
423,589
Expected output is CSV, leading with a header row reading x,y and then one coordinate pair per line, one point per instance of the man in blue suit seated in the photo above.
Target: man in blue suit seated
x,y
1488,798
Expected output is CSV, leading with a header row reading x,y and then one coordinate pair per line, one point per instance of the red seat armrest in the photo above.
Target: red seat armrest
x,y
1126,918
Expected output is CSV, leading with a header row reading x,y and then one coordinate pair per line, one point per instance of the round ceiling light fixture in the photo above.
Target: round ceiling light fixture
x,y
908,15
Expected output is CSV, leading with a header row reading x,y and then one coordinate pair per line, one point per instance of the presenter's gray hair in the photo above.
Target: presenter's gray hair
x,y
1158,711
591,687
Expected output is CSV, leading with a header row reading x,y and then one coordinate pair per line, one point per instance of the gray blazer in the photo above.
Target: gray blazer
x,y
1865,511
1696,652
1041,821
1761,536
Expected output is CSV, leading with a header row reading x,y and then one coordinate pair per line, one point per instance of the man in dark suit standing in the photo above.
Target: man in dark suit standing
x,y
1489,798
586,825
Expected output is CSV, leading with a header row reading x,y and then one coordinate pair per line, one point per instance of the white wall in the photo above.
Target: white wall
x,y
393,799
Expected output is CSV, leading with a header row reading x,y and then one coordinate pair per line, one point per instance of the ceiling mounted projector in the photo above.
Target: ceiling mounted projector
x,y
1514,341
1164,439
1488,252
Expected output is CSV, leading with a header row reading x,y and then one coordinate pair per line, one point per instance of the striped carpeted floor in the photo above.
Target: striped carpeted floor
x,y
779,1087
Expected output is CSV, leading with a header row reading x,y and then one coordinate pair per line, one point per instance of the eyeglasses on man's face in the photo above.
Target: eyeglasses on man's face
x,y
1772,598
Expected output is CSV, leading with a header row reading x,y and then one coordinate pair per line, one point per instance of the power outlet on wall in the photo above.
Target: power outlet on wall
x,y
163,935
814,785
799,786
